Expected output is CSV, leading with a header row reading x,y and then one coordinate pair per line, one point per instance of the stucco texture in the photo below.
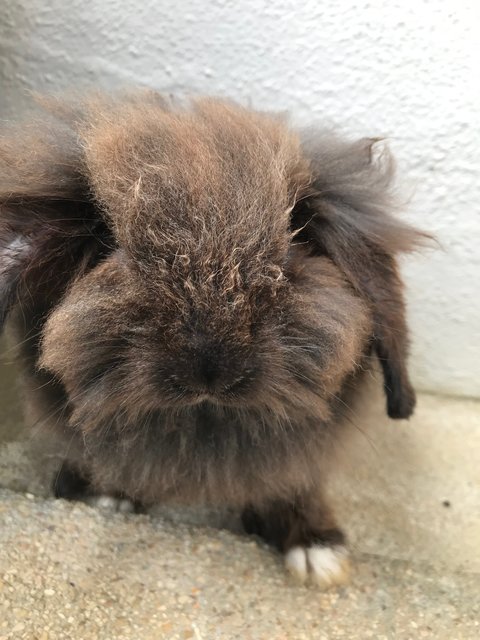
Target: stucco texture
x,y
403,69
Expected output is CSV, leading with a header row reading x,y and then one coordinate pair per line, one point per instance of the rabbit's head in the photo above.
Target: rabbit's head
x,y
201,253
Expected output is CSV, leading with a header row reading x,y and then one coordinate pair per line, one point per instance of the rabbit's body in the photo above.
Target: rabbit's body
x,y
197,296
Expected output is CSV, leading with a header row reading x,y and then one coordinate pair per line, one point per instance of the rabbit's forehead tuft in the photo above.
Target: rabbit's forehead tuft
x,y
200,181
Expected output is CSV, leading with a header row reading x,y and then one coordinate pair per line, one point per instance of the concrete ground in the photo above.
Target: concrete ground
x,y
408,495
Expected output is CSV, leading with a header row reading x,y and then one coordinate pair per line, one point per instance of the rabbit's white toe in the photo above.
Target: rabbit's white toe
x,y
321,565
112,504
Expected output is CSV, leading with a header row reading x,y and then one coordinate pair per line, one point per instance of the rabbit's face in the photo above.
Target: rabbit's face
x,y
191,303
122,342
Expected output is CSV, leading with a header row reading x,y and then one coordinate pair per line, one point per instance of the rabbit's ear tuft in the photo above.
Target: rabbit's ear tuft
x,y
346,216
48,222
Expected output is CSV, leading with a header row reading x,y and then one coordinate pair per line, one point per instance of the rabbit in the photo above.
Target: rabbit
x,y
198,291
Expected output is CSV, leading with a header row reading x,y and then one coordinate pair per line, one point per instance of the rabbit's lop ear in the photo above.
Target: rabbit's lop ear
x,y
47,221
346,216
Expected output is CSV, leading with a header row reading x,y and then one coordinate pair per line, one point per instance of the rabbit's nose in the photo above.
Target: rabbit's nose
x,y
209,370
216,372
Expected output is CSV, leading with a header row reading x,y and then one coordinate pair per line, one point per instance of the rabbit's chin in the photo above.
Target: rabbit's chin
x,y
209,400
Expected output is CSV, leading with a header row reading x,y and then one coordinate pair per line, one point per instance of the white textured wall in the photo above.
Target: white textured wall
x,y
404,69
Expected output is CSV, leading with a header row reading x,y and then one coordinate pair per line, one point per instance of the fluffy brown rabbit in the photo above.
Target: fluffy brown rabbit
x,y
197,291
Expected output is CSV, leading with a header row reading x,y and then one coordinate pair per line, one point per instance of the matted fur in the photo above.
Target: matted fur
x,y
197,290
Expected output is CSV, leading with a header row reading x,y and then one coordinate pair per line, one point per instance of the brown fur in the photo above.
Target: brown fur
x,y
198,291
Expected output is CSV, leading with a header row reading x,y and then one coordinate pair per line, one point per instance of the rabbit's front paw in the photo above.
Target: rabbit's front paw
x,y
112,504
324,566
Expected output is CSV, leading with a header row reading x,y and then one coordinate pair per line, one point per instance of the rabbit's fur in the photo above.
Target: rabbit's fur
x,y
197,291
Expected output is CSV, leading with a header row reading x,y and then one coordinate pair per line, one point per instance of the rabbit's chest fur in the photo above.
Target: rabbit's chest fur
x,y
208,454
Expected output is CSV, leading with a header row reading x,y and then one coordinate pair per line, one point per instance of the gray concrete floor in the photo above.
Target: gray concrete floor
x,y
408,495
